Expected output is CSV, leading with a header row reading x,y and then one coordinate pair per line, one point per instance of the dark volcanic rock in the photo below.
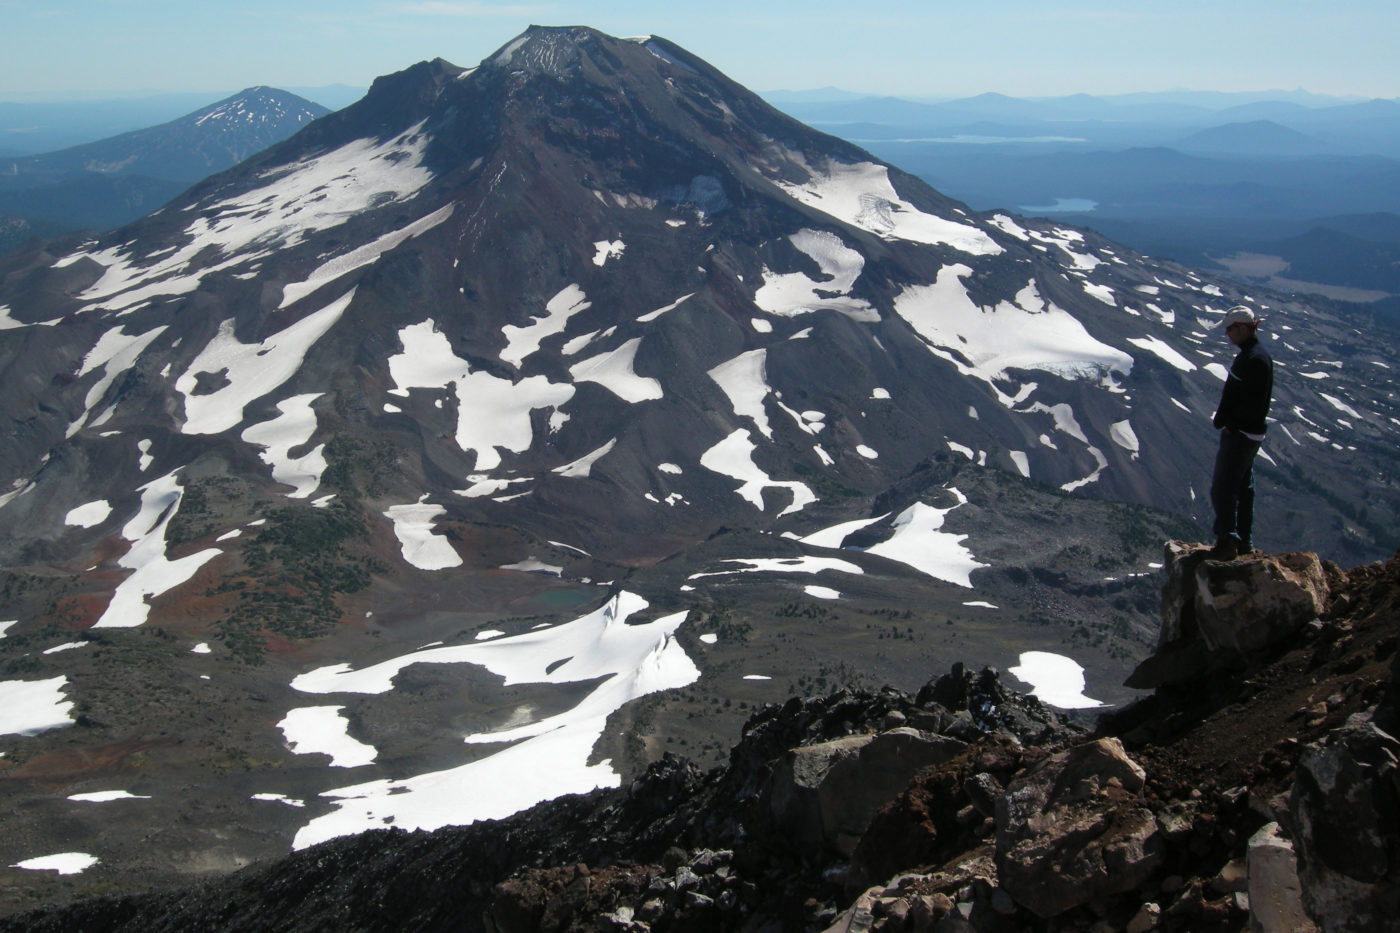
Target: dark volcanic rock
x,y
825,795
1345,807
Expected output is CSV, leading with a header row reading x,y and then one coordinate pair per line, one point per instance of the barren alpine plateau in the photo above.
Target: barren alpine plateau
x,y
524,430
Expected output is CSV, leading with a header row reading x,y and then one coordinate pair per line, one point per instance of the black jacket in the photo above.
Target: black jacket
x,y
1244,402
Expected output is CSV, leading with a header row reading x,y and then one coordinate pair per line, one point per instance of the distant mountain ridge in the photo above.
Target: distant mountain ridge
x,y
187,149
103,184
1252,137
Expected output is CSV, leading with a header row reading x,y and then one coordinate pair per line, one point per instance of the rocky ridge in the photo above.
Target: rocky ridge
x,y
1257,792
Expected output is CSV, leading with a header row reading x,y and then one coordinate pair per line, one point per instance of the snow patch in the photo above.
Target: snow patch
x,y
1164,351
733,457
1122,434
986,343
115,352
603,250
249,370
614,371
918,542
793,293
293,428
833,536
1341,406
322,730
89,514
153,574
744,381
28,707
1101,292
105,796
804,564
544,758
332,269
492,412
65,863
523,341
413,526
862,195
534,565
653,315
581,467
1054,678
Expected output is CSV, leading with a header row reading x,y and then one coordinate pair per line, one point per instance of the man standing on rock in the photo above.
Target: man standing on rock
x,y
1244,405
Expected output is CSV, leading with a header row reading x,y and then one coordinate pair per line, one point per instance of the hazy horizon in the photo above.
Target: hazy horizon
x,y
98,49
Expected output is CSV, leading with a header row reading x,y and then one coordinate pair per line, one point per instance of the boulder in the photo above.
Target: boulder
x,y
825,795
1345,807
1275,898
1244,606
1221,614
1073,830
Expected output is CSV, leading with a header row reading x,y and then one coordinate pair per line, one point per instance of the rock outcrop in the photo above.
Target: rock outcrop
x,y
1219,615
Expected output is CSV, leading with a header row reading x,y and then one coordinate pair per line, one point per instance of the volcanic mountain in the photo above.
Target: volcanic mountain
x,y
495,433
112,181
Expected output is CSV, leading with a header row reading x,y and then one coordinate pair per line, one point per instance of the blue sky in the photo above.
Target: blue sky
x,y
931,48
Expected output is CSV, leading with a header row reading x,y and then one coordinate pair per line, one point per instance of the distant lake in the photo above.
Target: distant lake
x,y
1061,206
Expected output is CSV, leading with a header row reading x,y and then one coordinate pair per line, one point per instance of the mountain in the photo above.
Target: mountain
x,y
1253,137
28,127
103,184
498,433
187,149
1326,255
811,95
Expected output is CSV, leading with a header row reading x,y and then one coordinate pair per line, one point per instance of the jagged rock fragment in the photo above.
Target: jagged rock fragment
x,y
825,795
1346,813
1072,830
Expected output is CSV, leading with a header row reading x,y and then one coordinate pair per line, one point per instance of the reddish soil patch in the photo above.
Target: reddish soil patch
x,y
56,770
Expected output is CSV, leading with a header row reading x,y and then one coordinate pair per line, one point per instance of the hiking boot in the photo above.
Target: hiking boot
x,y
1245,549
1225,549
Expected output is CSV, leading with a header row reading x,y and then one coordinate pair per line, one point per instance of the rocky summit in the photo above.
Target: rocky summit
x,y
1259,794
493,437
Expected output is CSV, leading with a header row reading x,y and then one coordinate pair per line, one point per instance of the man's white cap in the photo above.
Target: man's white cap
x,y
1239,314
